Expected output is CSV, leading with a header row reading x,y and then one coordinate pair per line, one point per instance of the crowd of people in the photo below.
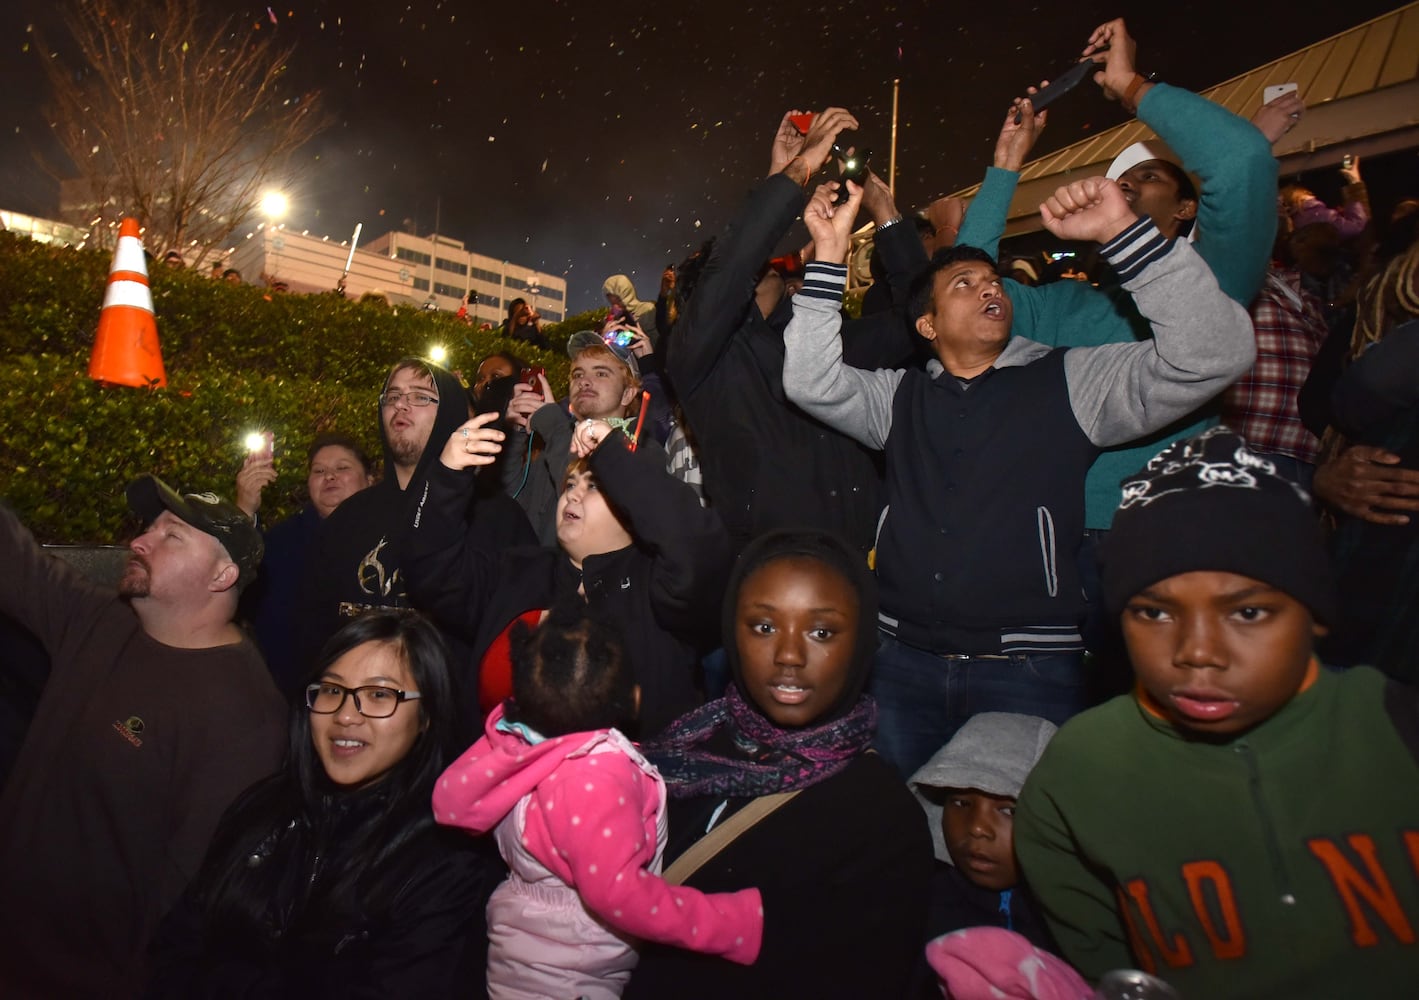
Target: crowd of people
x,y
1016,637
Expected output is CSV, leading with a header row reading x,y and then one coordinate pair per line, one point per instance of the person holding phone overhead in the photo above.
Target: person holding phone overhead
x,y
605,384
1208,177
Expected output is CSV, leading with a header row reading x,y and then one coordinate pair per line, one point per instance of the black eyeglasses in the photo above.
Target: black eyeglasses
x,y
327,698
393,397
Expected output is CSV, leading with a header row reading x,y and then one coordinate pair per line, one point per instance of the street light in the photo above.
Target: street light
x,y
274,205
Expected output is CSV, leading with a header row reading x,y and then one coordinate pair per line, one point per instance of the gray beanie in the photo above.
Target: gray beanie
x,y
994,752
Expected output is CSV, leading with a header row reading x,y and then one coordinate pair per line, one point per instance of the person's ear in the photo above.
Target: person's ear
x,y
1318,630
631,393
923,327
1187,210
226,578
636,701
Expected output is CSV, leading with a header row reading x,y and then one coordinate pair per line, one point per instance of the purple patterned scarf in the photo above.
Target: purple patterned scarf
x,y
729,748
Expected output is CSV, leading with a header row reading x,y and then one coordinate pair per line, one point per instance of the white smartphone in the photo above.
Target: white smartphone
x,y
1278,90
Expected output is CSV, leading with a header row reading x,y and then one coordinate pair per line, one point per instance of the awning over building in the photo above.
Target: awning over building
x,y
1361,89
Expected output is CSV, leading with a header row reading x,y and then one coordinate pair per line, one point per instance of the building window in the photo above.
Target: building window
x,y
451,265
492,276
551,315
555,294
422,284
517,283
449,290
484,299
404,253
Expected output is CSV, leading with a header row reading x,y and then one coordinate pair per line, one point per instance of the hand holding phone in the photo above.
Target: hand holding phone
x,y
1271,93
261,445
530,377
1058,87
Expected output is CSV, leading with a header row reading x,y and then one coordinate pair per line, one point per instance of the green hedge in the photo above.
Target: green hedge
x,y
238,359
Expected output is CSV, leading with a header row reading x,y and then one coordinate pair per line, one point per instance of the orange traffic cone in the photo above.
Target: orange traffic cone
x,y
126,350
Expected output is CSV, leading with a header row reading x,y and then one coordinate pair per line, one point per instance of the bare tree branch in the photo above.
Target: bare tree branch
x,y
171,118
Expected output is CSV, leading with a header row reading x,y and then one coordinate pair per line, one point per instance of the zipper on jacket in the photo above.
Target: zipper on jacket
x,y
1273,851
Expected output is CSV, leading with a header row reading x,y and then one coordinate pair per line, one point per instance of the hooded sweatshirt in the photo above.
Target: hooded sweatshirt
x,y
357,564
994,753
580,821
644,312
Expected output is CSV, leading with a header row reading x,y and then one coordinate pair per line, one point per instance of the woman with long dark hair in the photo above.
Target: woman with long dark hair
x,y
331,876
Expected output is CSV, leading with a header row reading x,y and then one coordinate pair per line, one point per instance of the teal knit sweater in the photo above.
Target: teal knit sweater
x,y
1236,225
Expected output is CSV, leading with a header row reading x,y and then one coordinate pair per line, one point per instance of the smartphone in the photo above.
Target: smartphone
x,y
1278,90
803,122
1060,86
261,444
1347,161
851,168
529,376
621,338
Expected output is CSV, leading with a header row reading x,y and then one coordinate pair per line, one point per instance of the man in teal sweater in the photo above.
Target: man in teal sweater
x,y
1245,823
1235,224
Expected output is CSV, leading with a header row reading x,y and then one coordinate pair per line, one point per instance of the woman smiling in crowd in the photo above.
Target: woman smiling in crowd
x,y
330,877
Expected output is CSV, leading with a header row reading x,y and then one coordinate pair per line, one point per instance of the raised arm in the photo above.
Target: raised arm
x,y
690,547
449,578
856,402
42,593
1236,209
725,288
1202,340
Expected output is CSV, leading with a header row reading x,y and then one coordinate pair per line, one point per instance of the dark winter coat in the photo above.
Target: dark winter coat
x,y
662,593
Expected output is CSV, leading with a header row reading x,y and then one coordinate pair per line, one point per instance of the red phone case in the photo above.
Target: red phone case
x,y
803,122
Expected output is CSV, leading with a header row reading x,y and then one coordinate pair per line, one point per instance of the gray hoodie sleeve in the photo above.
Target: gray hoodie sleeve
x,y
1202,342
856,402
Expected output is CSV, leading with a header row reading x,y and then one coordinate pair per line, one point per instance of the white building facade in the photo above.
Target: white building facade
x,y
409,270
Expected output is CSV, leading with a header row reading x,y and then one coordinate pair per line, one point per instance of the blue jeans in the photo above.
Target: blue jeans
x,y
923,698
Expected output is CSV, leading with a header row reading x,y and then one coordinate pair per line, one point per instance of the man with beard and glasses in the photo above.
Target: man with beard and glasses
x,y
157,711
357,563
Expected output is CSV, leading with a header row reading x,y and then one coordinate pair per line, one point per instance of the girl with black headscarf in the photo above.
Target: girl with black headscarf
x,y
844,860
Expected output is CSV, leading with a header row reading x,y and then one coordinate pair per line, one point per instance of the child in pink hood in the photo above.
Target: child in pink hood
x,y
579,816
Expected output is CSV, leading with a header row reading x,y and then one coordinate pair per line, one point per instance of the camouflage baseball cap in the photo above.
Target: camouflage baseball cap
x,y
223,520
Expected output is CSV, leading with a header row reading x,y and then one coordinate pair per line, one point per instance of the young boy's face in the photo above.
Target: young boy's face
x,y
1218,652
980,834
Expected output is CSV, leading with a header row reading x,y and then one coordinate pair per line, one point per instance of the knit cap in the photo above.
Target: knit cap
x,y
994,752
1208,503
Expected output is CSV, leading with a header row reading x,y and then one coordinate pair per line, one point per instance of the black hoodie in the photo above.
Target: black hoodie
x,y
357,563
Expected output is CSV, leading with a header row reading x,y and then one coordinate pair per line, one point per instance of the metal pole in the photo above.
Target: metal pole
x,y
892,162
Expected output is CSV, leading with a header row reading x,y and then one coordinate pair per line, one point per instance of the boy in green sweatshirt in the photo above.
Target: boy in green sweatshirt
x,y
1245,823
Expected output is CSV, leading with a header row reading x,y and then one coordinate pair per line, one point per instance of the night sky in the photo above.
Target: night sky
x,y
587,138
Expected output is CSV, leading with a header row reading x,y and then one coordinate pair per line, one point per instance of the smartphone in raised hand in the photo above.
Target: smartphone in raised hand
x,y
1059,86
1277,90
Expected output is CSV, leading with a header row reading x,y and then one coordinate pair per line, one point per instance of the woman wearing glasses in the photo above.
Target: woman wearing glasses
x,y
331,876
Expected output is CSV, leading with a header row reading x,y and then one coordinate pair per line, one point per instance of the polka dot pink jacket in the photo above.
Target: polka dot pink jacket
x,y
592,808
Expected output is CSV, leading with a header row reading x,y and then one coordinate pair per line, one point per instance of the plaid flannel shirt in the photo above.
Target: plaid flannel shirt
x,y
1261,405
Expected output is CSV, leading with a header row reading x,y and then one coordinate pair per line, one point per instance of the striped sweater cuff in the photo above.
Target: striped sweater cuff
x,y
824,281
1135,248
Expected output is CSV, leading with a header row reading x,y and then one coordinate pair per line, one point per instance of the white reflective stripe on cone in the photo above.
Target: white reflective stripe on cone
x,y
129,256
128,293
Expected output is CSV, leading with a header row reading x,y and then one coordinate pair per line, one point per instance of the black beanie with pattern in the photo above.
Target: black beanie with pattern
x,y
1209,503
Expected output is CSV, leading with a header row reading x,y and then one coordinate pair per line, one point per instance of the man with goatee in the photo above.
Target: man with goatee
x,y
157,712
